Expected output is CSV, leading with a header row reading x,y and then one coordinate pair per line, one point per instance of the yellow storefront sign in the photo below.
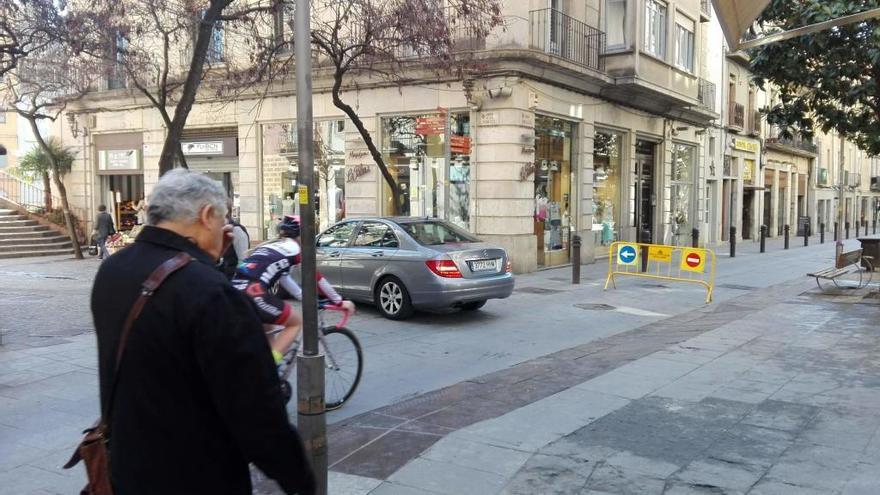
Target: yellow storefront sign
x,y
693,260
743,145
660,253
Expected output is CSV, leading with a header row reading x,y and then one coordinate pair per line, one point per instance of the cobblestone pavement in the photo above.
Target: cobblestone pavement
x,y
510,359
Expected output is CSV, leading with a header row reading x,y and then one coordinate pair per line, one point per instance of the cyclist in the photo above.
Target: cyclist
x,y
270,263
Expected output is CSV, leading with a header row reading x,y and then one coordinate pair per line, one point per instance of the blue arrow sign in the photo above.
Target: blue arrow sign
x,y
627,254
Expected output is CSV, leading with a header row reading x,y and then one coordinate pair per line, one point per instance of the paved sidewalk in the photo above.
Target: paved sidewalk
x,y
550,335
774,392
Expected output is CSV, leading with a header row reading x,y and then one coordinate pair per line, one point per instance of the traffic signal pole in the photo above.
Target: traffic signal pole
x,y
311,418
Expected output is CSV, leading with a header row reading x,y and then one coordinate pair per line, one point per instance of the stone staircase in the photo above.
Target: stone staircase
x,y
22,237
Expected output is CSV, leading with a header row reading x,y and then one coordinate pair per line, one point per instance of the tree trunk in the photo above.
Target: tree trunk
x,y
171,149
62,191
68,216
368,140
47,193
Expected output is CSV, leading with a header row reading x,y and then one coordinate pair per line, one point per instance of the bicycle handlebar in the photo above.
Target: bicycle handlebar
x,y
332,307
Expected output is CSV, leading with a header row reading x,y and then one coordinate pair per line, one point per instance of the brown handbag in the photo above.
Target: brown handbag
x,y
93,449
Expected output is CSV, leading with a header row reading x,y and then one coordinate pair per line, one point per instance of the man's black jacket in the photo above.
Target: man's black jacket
x,y
198,396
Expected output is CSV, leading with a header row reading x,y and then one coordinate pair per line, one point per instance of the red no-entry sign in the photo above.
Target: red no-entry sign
x,y
693,260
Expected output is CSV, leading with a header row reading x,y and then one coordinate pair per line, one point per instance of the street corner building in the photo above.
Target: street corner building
x,y
607,119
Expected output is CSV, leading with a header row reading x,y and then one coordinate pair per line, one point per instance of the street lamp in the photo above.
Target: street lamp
x,y
311,418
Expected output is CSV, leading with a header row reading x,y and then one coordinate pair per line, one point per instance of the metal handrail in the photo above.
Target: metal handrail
x,y
556,33
31,198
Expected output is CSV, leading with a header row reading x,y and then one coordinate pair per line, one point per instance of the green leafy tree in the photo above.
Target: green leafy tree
x,y
828,80
36,161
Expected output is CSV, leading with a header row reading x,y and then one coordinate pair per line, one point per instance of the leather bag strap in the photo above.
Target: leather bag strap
x,y
150,286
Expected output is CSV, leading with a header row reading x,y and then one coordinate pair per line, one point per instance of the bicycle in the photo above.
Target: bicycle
x,y
344,362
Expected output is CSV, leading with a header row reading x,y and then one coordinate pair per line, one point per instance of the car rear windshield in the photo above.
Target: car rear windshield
x,y
437,233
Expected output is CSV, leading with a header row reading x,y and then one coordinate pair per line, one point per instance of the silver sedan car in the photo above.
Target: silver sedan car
x,y
402,264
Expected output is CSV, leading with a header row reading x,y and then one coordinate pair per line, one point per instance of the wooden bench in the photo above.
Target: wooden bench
x,y
845,263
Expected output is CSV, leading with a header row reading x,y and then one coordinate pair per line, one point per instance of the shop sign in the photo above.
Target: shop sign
x,y
488,118
202,148
460,144
743,145
358,154
430,126
119,160
355,172
660,253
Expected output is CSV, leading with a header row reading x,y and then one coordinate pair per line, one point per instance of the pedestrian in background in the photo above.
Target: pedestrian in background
x,y
196,397
237,251
103,229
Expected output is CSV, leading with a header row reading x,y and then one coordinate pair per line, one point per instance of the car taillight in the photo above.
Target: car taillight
x,y
444,268
507,267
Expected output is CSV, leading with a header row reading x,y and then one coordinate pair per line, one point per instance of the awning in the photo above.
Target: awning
x,y
736,16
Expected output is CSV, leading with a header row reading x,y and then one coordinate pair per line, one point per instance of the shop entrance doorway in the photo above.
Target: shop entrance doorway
x,y
643,186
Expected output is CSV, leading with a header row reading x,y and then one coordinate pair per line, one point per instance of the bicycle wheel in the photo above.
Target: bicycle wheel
x,y
344,363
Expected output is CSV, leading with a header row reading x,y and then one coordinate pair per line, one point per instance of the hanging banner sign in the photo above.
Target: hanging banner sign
x,y
430,126
460,144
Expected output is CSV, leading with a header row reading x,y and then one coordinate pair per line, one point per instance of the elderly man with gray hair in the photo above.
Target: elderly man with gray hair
x,y
192,395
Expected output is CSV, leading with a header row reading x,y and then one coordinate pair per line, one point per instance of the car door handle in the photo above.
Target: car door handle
x,y
377,254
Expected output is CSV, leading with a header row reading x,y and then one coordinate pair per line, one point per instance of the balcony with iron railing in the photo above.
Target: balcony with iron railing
x,y
556,33
793,143
706,95
755,124
737,117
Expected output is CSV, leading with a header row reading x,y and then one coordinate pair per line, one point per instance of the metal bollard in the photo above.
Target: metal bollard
x,y
822,233
875,225
857,227
576,260
785,232
733,242
806,235
846,228
763,238
836,231
695,238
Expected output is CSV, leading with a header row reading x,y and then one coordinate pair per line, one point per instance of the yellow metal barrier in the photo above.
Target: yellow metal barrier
x,y
673,263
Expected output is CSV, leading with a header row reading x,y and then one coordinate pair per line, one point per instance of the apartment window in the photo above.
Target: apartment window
x,y
282,20
684,43
2,116
116,80
655,28
215,48
615,23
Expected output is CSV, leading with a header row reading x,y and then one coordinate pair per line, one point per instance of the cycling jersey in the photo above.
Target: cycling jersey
x,y
269,264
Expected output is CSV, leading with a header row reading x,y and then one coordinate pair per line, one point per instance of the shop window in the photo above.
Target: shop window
x,y
429,158
682,193
280,172
553,178
607,149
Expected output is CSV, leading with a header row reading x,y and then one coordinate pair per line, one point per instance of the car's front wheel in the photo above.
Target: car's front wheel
x,y
392,299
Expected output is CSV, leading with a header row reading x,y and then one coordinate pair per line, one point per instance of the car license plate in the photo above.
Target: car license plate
x,y
484,265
